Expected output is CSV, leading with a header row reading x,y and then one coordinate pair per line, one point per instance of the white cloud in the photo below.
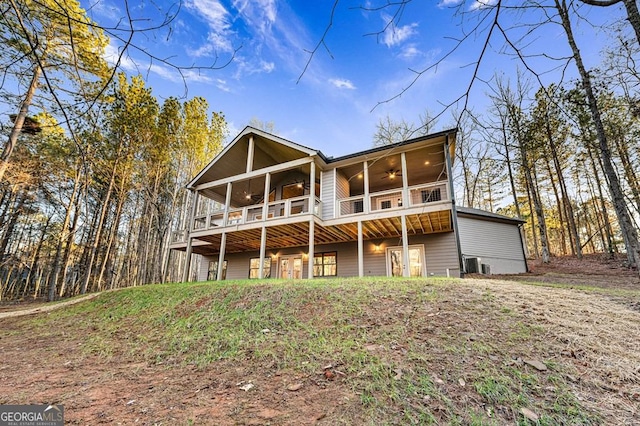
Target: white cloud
x,y
481,4
447,3
222,85
105,9
410,52
342,83
112,54
217,18
395,35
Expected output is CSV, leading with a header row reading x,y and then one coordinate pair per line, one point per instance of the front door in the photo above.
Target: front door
x,y
395,261
291,267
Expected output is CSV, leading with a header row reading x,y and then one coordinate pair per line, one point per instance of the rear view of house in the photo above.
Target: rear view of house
x,y
268,207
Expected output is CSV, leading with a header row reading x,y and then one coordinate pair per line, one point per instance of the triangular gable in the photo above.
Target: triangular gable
x,y
232,159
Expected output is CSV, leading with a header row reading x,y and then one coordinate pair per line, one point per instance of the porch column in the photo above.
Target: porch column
x,y
405,248
263,243
227,203
366,206
223,244
405,180
190,221
312,230
452,194
267,187
250,155
312,188
360,251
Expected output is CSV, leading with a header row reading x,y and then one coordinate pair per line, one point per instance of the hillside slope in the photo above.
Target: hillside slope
x,y
384,351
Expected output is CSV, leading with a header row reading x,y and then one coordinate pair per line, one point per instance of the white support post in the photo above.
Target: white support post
x,y
360,251
405,248
187,263
250,154
312,229
223,244
312,182
405,180
367,201
263,244
267,187
227,204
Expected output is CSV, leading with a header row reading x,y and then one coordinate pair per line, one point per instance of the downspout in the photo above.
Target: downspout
x,y
454,211
524,254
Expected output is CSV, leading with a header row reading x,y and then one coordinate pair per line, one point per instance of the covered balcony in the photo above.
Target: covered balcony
x,y
416,178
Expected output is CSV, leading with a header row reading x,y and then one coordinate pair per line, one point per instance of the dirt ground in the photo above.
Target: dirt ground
x,y
596,270
118,389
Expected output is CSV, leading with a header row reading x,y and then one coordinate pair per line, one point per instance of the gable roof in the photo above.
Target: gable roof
x,y
287,150
233,156
488,215
392,146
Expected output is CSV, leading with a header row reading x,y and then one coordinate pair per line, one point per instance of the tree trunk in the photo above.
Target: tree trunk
x,y
627,229
98,230
19,122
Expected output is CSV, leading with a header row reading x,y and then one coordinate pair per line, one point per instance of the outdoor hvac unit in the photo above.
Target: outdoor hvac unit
x,y
486,269
472,265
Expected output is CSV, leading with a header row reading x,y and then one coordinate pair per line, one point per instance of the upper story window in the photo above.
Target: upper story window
x,y
293,190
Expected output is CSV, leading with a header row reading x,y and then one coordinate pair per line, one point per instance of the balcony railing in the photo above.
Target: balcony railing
x,y
249,214
393,199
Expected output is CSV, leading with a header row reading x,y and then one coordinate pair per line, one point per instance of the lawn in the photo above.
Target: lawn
x,y
344,351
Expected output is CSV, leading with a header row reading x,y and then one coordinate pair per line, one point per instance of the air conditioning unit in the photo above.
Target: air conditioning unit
x,y
472,265
486,269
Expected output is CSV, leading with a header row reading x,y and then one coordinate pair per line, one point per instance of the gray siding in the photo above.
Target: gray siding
x,y
441,253
204,267
496,244
440,256
328,197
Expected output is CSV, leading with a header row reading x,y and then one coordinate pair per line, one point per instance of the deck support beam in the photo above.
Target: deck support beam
x,y
312,229
405,248
187,263
360,251
263,244
223,244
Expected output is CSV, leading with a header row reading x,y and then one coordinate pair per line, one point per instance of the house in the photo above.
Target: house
x,y
268,207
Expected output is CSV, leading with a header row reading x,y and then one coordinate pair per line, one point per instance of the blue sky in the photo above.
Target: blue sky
x,y
334,105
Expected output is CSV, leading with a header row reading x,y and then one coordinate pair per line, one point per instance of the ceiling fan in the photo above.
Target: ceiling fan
x,y
392,174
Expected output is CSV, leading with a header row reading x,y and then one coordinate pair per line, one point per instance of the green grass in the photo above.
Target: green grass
x,y
402,344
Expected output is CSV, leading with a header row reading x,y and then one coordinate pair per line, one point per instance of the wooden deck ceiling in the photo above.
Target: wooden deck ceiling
x,y
297,234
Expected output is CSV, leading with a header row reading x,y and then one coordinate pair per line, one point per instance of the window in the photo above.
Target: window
x,y
386,204
325,264
212,273
254,268
292,190
430,196
358,206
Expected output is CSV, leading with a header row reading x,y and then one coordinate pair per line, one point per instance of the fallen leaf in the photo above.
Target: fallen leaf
x,y
535,364
529,414
398,375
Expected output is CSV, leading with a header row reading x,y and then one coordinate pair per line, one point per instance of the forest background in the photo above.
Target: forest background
x,y
94,166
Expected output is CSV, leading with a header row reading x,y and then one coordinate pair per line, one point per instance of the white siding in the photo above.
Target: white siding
x,y
496,244
327,187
